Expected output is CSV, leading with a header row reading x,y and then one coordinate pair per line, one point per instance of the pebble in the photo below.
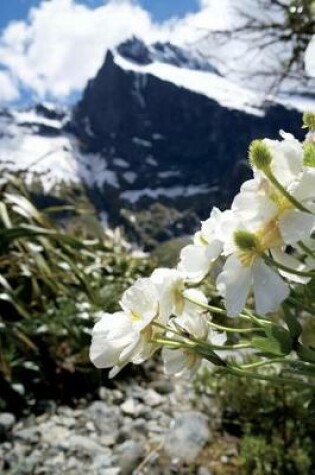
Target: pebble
x,y
187,436
7,421
204,471
152,398
163,387
81,443
129,407
129,455
54,435
224,459
30,435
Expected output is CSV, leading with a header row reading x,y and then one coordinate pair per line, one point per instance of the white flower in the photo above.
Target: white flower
x,y
114,339
127,336
197,259
195,301
259,204
141,303
252,205
294,224
287,158
186,361
169,284
237,279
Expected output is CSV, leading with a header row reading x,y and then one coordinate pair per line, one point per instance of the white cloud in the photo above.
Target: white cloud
x,y
8,90
62,44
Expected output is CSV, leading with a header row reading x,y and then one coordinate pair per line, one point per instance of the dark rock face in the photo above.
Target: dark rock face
x,y
170,137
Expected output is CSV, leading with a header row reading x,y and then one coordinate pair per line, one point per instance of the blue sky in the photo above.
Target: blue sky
x,y
159,9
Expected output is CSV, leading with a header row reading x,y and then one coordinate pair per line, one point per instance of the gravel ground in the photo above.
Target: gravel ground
x,y
151,427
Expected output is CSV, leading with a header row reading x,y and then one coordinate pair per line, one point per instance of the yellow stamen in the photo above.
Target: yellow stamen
x,y
135,316
247,257
269,236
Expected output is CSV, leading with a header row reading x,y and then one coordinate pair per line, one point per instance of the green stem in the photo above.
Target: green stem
x,y
258,364
205,306
284,192
233,330
231,347
175,343
276,264
306,249
219,311
242,373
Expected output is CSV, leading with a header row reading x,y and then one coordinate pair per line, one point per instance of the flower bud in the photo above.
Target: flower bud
x,y
309,155
246,241
309,120
259,155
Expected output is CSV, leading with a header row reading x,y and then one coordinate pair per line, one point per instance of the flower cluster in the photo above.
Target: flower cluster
x,y
274,210
262,248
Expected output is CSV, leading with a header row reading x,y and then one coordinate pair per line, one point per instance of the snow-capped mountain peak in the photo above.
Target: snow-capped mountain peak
x,y
156,124
142,54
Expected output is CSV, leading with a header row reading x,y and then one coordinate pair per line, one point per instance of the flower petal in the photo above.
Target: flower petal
x,y
194,263
294,264
174,360
296,226
110,336
141,302
269,288
234,284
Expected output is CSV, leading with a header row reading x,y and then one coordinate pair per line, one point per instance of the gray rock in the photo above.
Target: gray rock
x,y
90,426
29,434
163,387
129,407
7,421
204,471
139,425
109,439
187,436
129,455
152,398
105,418
68,422
103,393
54,434
102,461
110,471
81,443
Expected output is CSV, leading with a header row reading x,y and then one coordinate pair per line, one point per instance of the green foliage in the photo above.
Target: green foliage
x,y
53,283
262,457
273,422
